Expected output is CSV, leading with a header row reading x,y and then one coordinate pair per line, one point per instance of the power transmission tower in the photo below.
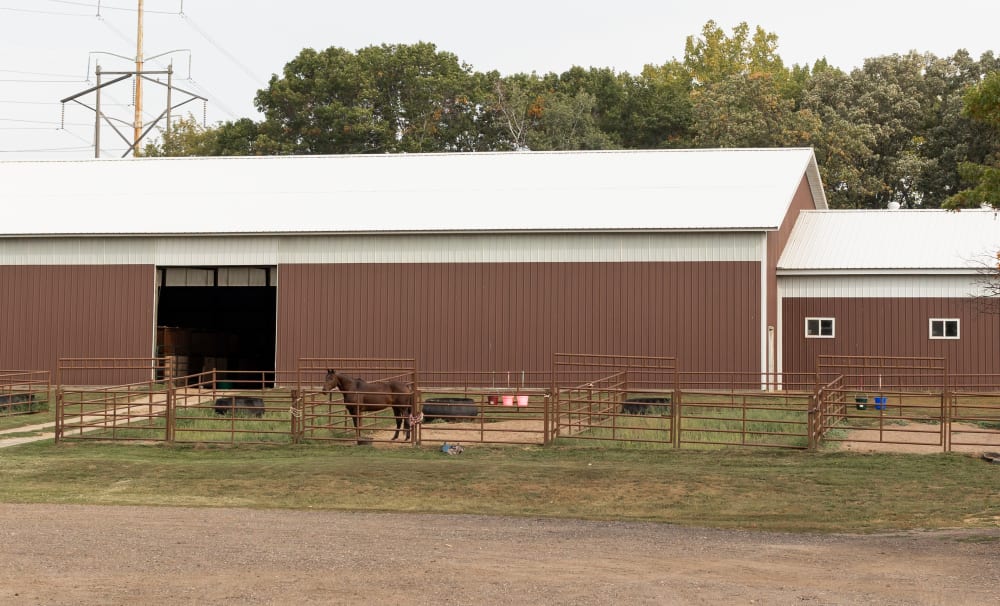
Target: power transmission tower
x,y
140,74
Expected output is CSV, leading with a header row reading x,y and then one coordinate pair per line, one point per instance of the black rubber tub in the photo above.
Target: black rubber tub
x,y
450,409
647,405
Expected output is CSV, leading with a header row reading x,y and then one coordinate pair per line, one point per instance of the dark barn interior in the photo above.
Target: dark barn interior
x,y
230,328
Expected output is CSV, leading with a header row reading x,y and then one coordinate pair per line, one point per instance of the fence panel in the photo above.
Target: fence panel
x,y
714,419
237,407
24,391
484,407
88,410
917,420
974,421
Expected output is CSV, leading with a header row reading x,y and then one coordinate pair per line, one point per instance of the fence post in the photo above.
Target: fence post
x,y
171,411
293,411
60,411
811,419
947,402
546,418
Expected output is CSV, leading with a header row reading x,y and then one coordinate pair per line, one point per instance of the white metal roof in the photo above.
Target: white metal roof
x,y
860,240
732,189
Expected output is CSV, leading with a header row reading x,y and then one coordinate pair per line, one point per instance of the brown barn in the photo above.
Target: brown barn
x,y
462,261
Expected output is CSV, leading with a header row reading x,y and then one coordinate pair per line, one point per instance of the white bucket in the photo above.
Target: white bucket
x,y
522,400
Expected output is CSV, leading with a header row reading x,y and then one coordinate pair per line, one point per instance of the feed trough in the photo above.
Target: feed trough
x,y
449,409
646,405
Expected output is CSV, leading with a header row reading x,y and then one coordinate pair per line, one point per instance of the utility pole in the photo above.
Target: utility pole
x,y
137,131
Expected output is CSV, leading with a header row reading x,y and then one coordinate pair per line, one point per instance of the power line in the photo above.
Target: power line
x,y
40,12
21,102
24,73
39,122
43,150
246,70
27,81
100,5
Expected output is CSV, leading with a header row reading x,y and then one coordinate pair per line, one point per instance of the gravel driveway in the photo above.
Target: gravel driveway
x,y
82,555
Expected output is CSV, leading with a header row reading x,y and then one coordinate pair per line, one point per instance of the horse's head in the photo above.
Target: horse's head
x,y
335,380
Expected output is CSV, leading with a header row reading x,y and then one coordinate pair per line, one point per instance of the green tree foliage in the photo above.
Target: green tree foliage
x,y
658,108
982,104
189,138
568,122
545,114
389,98
742,93
715,56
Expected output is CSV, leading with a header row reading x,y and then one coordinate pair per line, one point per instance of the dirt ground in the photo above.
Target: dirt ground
x,y
90,555
899,436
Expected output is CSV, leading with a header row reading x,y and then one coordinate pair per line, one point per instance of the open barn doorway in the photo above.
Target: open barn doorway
x,y
218,318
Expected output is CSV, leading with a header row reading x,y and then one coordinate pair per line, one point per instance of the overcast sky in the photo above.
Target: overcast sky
x,y
227,49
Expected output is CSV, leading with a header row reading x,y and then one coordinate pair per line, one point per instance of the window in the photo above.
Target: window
x,y
944,328
819,328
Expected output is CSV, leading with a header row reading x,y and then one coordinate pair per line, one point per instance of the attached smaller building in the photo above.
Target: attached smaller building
x,y
903,283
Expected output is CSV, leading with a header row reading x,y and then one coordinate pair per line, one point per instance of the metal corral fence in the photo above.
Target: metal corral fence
x,y
911,402
621,399
491,407
24,391
209,407
120,411
630,401
647,402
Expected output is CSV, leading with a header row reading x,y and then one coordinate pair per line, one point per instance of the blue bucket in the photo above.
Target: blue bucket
x,y
880,403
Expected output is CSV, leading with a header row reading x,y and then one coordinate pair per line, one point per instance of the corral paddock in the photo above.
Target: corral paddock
x,y
90,555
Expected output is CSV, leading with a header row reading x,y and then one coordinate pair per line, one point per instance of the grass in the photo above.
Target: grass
x,y
707,421
772,490
42,410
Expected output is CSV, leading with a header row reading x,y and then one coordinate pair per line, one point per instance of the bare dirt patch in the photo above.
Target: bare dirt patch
x,y
521,431
919,438
89,555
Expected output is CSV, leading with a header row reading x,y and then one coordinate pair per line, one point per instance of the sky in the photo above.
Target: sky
x,y
226,50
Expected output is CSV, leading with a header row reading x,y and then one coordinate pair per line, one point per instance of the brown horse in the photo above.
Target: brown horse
x,y
362,396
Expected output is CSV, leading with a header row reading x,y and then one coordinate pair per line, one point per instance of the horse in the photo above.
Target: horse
x,y
362,396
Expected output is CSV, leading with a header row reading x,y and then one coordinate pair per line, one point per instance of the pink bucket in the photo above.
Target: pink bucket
x,y
508,400
522,400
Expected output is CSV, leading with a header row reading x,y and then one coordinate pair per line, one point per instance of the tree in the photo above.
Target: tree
x,y
715,56
742,93
982,104
888,101
842,146
388,98
748,110
517,108
187,137
536,117
658,108
568,122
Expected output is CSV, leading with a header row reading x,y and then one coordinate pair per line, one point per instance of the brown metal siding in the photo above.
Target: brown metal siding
x,y
776,241
513,316
892,327
53,311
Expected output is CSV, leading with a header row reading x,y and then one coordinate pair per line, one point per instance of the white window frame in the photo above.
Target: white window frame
x,y
944,328
819,327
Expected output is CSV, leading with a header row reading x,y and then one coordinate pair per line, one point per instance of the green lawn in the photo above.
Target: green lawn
x,y
728,488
